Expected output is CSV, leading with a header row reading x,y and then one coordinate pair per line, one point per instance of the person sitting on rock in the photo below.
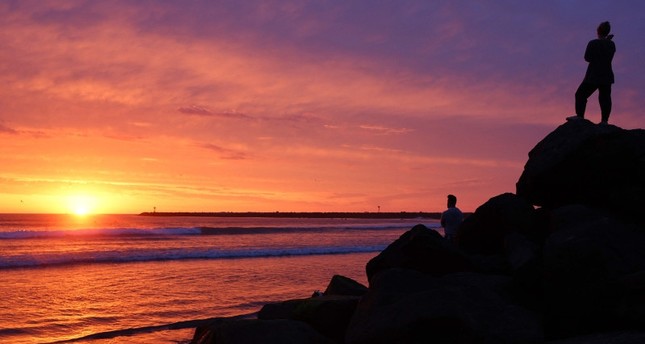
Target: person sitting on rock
x,y
599,75
451,219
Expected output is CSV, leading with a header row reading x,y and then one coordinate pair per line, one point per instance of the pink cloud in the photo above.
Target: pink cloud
x,y
225,153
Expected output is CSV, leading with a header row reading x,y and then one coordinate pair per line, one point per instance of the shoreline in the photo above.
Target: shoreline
x,y
310,215
179,325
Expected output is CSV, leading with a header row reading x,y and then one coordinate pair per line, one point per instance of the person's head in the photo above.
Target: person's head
x,y
603,29
452,201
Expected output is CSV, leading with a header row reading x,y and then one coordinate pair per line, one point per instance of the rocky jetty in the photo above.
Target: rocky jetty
x,y
562,261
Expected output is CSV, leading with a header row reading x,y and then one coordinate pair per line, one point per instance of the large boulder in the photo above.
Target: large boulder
x,y
407,306
341,285
420,249
505,236
584,163
621,337
484,232
593,273
328,314
253,331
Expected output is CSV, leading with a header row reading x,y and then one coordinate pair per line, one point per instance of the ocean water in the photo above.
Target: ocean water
x,y
153,279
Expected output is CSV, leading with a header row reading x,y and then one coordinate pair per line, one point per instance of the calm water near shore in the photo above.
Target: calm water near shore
x,y
128,278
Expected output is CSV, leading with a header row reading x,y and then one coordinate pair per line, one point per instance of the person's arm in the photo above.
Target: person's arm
x,y
589,52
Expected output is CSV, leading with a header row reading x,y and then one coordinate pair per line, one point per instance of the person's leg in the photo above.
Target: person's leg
x,y
584,91
604,98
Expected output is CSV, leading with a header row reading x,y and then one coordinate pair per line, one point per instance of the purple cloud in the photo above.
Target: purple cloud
x,y
7,130
204,111
225,153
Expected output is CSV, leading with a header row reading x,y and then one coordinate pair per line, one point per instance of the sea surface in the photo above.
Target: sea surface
x,y
152,279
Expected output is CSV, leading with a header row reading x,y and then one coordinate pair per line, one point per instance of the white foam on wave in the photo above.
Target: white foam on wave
x,y
33,234
176,254
146,232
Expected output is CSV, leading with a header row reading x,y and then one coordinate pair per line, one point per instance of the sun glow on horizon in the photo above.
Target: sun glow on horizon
x,y
81,205
81,211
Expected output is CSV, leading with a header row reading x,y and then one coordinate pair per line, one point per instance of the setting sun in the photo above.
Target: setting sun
x,y
81,205
81,210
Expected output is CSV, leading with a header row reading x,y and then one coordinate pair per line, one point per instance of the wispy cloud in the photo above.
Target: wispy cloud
x,y
225,153
204,111
195,110
7,130
385,130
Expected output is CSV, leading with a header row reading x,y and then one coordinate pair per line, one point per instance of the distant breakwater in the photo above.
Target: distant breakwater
x,y
327,215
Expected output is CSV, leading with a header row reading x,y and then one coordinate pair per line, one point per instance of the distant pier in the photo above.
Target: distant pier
x,y
312,215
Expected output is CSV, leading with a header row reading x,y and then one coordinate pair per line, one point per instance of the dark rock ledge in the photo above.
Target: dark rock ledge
x,y
562,261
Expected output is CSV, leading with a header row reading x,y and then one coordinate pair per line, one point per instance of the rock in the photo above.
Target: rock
x,y
253,331
328,314
203,333
341,285
492,264
582,163
623,337
586,263
485,230
420,249
279,310
524,262
505,236
407,306
632,300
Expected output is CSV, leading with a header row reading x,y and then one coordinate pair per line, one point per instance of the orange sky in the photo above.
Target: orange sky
x,y
119,107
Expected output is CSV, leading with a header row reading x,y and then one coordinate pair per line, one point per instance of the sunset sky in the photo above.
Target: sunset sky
x,y
123,106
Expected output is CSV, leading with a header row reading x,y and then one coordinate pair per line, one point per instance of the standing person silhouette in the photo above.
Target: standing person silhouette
x,y
599,75
451,219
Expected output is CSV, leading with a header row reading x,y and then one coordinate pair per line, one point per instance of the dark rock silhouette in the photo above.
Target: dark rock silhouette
x,y
571,270
626,337
251,331
485,231
601,166
505,236
328,314
588,261
420,249
341,285
407,306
